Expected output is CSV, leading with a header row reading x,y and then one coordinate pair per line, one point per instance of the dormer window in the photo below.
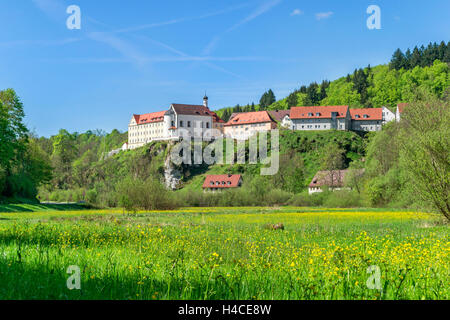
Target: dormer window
x,y
366,116
310,114
357,116
317,114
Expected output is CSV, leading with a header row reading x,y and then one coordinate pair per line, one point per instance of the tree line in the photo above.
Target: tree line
x,y
420,57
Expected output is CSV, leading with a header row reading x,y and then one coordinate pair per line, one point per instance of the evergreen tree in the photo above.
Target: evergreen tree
x,y
360,84
323,89
312,94
266,100
303,89
292,99
398,60
408,59
416,58
441,51
447,53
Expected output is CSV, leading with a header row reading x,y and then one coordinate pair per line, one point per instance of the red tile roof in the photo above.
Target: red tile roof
x,y
149,117
318,112
222,181
279,115
194,110
367,114
249,118
401,107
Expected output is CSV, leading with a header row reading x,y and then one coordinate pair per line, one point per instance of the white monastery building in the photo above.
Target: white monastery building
x,y
193,120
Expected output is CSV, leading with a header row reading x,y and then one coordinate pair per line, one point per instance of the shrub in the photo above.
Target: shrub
x,y
147,194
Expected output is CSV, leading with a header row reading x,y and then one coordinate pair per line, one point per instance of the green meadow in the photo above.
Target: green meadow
x,y
222,253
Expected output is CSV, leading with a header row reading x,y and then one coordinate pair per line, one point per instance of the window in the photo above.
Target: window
x,y
310,114
188,124
172,124
317,114
181,123
207,125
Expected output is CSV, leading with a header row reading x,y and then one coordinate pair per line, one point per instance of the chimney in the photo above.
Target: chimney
x,y
205,101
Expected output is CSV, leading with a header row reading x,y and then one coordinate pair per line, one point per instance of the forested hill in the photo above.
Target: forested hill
x,y
382,85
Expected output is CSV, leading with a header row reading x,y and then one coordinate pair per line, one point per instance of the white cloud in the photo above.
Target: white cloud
x,y
324,15
296,12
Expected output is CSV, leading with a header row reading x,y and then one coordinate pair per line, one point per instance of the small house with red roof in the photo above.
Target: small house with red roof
x,y
321,118
214,183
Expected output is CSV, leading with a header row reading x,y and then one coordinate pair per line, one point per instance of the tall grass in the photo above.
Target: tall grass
x,y
224,253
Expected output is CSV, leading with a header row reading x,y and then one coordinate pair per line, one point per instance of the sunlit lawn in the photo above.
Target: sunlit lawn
x,y
224,253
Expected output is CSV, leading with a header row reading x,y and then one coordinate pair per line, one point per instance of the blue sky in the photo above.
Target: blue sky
x,y
138,56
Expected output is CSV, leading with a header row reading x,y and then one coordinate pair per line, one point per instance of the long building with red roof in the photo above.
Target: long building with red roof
x,y
321,118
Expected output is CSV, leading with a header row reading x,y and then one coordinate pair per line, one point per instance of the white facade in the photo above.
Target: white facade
x,y
319,124
287,122
388,115
195,121
141,134
366,125
312,190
